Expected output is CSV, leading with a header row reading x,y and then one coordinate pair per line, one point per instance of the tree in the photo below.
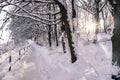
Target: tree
x,y
96,16
94,8
35,15
116,33
64,18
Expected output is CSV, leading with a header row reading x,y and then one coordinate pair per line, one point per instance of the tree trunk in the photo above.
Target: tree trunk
x,y
73,14
104,22
49,28
96,19
55,27
116,37
64,15
63,44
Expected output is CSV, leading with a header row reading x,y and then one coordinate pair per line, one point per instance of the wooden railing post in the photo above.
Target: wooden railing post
x,y
19,54
24,51
10,59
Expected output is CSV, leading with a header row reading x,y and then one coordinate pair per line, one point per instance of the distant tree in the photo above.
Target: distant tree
x,y
94,8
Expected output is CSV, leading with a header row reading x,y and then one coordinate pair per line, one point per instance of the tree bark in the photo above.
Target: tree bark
x,y
116,37
104,22
49,28
55,27
96,19
64,15
63,37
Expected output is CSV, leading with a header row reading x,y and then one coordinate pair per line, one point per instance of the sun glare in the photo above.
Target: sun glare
x,y
90,27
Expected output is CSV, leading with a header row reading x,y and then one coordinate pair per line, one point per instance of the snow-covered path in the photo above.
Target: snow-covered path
x,y
51,64
99,57
54,65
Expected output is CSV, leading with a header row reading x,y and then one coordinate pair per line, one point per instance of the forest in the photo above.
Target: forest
x,y
59,39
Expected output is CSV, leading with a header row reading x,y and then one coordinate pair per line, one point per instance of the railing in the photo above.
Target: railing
x,y
8,59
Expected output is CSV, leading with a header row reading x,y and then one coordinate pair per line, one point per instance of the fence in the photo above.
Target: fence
x,y
8,59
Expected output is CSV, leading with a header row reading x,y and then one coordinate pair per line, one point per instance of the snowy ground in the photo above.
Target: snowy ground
x,y
94,63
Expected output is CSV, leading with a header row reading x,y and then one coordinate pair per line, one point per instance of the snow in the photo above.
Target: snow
x,y
94,60
94,63
5,32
